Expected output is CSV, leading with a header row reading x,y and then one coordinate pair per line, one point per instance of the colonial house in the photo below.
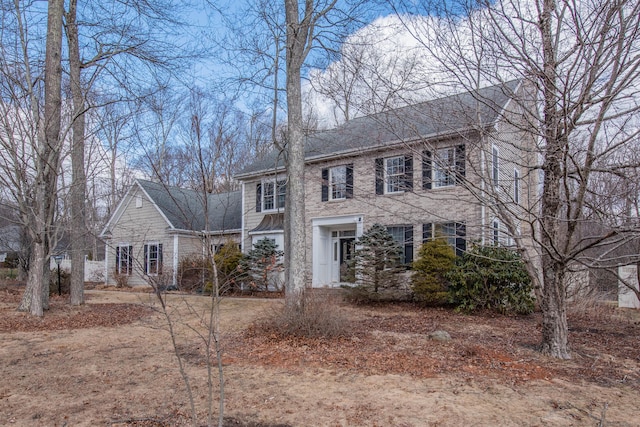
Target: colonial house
x,y
422,171
155,226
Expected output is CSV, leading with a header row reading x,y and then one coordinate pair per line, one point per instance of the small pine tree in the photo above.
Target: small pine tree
x,y
428,281
377,262
262,265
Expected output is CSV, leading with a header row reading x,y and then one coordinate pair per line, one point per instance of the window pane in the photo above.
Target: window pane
x,y
395,174
445,167
282,193
338,182
446,231
268,196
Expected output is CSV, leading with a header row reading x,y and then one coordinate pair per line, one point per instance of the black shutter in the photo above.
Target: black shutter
x,y
325,185
461,241
159,258
146,259
408,244
349,194
426,232
460,164
259,197
130,260
426,170
379,176
408,173
118,259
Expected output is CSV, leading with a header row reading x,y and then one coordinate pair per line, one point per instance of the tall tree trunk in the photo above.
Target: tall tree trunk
x,y
78,181
295,246
555,335
36,296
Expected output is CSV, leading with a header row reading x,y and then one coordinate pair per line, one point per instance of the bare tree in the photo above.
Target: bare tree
x,y
47,159
580,67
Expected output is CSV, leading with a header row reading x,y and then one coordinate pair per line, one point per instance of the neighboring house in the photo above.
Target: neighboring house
x,y
420,170
11,237
155,226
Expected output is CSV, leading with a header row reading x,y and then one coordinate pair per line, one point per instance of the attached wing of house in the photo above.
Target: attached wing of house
x,y
419,170
155,226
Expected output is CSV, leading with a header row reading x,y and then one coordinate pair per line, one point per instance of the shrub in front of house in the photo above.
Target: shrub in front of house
x,y
429,283
262,266
377,267
493,278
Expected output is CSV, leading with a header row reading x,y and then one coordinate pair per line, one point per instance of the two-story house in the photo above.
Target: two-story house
x,y
423,171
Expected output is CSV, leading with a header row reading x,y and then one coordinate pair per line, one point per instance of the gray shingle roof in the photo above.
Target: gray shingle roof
x,y
184,208
443,116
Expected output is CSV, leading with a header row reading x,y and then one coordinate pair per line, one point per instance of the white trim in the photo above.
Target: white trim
x,y
331,183
272,180
174,276
321,244
242,214
450,170
386,174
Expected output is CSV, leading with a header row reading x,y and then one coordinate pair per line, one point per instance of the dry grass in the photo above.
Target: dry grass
x,y
321,316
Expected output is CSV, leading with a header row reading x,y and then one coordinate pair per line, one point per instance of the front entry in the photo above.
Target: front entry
x,y
347,246
333,246
343,246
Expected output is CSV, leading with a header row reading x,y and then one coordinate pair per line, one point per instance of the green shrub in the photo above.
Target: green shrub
x,y
262,265
377,266
227,261
429,279
491,277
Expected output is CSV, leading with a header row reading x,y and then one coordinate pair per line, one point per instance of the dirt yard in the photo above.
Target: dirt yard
x,y
111,363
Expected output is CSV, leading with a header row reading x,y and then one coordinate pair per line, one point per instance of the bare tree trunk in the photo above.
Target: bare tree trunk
x,y
78,182
36,295
295,250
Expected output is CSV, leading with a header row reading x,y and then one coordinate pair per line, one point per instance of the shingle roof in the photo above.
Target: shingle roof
x,y
184,208
455,113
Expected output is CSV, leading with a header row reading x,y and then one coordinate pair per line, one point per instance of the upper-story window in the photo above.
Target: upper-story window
x,y
394,174
270,195
337,183
444,167
495,166
516,186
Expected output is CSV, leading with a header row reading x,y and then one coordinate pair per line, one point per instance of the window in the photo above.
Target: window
x,y
124,259
337,183
445,163
445,169
516,186
394,174
270,195
153,259
138,201
403,234
495,230
495,160
454,232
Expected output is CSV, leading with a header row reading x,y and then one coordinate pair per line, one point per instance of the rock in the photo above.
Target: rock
x,y
442,336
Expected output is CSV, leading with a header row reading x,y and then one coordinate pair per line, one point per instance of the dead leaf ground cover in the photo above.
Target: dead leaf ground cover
x,y
110,362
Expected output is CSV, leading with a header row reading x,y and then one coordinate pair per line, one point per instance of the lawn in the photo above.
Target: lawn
x,y
111,362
